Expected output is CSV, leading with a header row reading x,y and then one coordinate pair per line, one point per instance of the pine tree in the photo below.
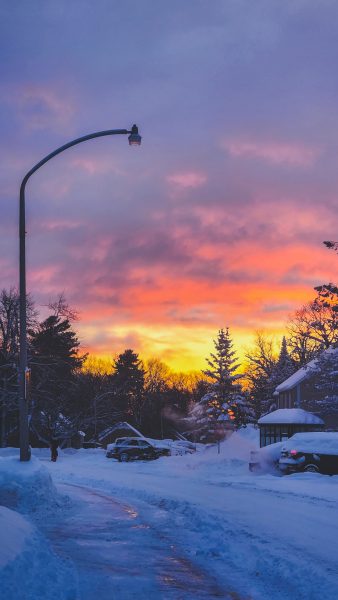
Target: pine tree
x,y
284,366
54,362
128,381
224,400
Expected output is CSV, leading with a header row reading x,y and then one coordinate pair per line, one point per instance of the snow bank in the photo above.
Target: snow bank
x,y
28,569
15,531
25,486
232,455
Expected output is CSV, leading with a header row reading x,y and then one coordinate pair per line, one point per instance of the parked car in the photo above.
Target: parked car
x,y
126,449
181,447
314,452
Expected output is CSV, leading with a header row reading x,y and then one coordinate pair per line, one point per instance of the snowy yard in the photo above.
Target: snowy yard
x,y
183,527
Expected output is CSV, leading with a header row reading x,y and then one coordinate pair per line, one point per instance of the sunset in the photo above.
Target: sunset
x,y
218,218
168,299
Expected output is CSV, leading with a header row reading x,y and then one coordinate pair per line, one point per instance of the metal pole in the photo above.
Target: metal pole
x,y
23,367
23,408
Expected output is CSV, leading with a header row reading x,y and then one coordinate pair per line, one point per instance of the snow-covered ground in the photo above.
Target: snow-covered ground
x,y
184,527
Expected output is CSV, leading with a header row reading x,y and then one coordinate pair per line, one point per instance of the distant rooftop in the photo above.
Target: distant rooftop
x,y
116,427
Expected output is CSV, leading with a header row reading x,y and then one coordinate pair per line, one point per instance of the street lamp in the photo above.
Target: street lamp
x,y
134,140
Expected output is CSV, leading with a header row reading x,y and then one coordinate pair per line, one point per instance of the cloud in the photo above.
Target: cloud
x,y
39,106
102,225
93,165
274,152
187,179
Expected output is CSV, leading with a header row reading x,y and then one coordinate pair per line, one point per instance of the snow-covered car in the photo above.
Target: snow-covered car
x,y
181,447
126,449
314,452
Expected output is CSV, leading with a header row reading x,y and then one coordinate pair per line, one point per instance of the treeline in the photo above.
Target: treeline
x,y
70,392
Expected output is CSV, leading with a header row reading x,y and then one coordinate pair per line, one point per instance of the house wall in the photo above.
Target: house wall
x,y
287,399
306,396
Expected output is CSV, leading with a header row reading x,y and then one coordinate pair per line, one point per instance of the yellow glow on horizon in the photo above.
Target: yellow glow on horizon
x,y
182,348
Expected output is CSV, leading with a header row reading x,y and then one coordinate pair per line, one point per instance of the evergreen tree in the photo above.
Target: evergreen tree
x,y
54,362
128,381
284,366
224,400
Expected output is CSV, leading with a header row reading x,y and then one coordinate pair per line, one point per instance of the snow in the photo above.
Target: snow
x,y
15,530
296,378
24,486
265,459
291,415
29,570
324,442
201,526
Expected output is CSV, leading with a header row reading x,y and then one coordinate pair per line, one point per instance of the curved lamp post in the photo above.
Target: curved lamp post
x,y
24,374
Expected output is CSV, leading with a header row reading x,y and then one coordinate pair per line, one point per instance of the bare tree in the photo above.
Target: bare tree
x,y
9,349
61,308
311,329
261,360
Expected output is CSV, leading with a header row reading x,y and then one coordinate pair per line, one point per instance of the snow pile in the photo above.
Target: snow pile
x,y
25,486
232,455
15,530
28,569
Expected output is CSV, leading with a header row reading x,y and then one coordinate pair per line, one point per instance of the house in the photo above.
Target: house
x,y
299,391
281,424
296,393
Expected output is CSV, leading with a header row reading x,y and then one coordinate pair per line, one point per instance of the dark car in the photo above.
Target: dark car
x,y
135,449
312,452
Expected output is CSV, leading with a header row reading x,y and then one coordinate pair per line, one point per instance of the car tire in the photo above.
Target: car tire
x,y
123,457
311,469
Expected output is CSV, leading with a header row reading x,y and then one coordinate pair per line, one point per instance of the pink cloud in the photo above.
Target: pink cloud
x,y
187,179
41,107
275,152
59,224
94,166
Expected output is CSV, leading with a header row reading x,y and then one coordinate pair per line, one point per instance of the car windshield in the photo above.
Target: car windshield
x,y
127,442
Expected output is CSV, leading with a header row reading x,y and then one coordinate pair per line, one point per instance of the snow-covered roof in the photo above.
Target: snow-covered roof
x,y
290,415
299,375
117,426
296,378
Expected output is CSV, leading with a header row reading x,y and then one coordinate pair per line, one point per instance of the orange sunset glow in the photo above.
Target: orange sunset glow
x,y
216,220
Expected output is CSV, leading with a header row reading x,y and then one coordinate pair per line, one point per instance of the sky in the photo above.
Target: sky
x,y
218,218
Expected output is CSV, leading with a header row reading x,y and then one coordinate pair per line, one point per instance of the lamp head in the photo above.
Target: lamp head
x,y
134,137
